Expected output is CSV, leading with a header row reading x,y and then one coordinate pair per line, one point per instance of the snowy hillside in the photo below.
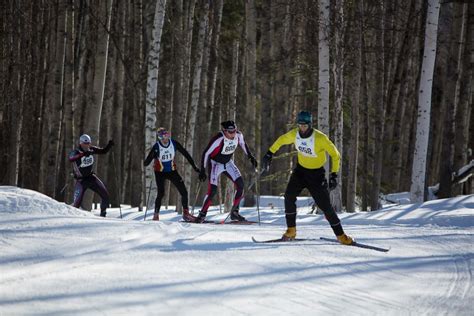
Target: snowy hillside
x,y
55,259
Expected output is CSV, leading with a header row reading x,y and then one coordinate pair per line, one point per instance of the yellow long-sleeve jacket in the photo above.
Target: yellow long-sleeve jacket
x,y
311,150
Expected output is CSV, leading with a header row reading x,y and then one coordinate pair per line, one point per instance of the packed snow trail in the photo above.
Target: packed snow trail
x,y
57,259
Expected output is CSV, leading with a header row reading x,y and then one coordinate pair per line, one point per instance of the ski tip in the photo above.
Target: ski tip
x,y
255,240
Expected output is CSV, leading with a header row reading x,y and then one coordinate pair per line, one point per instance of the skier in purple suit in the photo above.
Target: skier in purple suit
x,y
82,159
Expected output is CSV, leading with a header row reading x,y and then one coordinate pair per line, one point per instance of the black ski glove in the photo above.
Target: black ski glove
x,y
267,160
332,181
253,161
202,175
110,144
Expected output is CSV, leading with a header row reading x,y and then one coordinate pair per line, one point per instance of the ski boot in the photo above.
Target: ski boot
x,y
290,234
187,217
345,240
201,217
156,216
103,213
235,216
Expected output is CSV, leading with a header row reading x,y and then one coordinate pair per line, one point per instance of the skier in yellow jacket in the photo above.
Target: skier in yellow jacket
x,y
309,173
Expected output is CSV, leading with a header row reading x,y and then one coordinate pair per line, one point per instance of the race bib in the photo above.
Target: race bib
x,y
230,145
166,153
305,145
87,161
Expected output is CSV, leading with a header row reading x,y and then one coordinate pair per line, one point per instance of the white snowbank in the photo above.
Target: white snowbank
x,y
29,202
55,259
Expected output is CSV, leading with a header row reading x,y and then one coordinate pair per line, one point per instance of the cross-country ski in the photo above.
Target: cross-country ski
x,y
358,244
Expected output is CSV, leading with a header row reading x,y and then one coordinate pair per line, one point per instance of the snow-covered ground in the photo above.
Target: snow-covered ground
x,y
55,259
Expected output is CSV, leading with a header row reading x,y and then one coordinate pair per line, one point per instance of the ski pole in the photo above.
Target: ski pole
x,y
64,188
225,219
198,190
257,192
255,179
117,183
147,200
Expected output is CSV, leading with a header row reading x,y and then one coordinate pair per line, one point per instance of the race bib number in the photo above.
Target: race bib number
x,y
305,145
230,145
167,153
87,161
166,156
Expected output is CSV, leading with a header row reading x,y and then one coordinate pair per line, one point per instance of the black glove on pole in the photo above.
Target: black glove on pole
x,y
253,161
267,161
332,181
202,175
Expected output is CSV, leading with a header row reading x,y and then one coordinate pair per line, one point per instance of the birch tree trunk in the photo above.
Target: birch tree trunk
x,y
417,189
152,90
323,86
193,108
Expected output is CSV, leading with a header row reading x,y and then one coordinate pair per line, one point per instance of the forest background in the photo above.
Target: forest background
x,y
120,69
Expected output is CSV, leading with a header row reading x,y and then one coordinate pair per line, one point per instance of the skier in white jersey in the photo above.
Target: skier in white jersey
x,y
218,158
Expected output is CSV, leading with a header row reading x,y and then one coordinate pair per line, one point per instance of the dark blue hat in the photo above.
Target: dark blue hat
x,y
304,117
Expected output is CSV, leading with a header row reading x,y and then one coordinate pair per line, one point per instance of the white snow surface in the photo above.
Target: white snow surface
x,y
56,259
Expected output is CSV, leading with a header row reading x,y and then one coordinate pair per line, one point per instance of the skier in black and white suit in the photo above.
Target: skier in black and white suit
x,y
218,158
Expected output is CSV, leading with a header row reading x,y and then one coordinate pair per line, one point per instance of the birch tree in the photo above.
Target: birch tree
x,y
152,88
417,189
